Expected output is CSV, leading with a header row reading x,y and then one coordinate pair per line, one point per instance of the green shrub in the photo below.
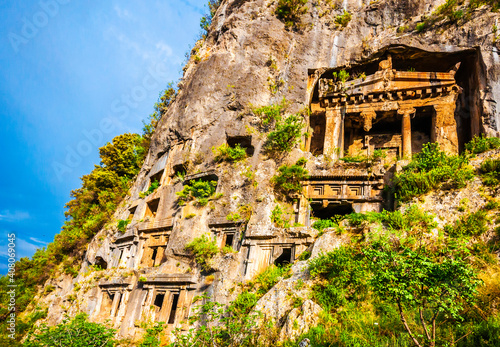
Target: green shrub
x,y
432,169
413,219
341,75
227,153
233,217
151,189
289,11
324,223
279,217
122,224
152,338
421,27
78,332
473,224
232,325
270,276
490,171
197,189
286,135
304,255
492,205
271,113
344,272
203,249
289,180
480,144
343,19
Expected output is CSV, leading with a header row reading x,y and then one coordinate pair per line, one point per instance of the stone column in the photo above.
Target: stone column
x,y
445,126
114,305
406,130
165,308
333,133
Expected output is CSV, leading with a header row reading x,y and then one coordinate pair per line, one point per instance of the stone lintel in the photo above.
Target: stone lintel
x,y
170,279
209,175
223,222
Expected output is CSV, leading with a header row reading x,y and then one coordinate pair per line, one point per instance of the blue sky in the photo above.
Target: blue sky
x,y
73,75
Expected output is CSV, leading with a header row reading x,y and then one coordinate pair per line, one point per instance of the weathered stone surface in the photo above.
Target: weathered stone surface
x,y
300,319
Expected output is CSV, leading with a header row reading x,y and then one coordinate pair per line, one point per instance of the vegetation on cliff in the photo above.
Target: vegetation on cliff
x,y
90,208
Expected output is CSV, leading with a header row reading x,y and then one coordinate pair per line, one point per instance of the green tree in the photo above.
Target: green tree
x,y
286,135
78,332
123,156
289,180
203,249
434,282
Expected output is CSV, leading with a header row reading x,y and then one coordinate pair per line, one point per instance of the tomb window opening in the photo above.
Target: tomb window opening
x,y
285,258
244,142
331,211
152,208
173,310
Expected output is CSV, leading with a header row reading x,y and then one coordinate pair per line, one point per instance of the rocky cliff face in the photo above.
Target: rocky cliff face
x,y
251,59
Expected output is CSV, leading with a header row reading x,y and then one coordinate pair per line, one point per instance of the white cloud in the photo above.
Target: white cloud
x,y
23,248
122,13
164,49
34,239
8,216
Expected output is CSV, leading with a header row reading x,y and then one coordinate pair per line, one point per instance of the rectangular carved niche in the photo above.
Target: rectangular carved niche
x,y
244,142
170,302
131,212
227,235
112,300
157,177
152,208
154,247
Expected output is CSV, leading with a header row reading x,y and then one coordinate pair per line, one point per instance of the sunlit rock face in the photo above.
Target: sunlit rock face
x,y
405,88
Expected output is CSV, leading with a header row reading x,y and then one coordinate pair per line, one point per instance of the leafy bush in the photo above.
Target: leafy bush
x,y
233,217
480,144
233,325
290,177
413,219
344,273
289,11
151,189
432,169
343,19
490,170
270,276
78,332
152,338
286,135
197,189
203,249
341,75
324,223
227,153
271,113
122,224
473,224
279,217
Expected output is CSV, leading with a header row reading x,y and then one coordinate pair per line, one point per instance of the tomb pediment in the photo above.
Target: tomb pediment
x,y
388,84
169,279
210,175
